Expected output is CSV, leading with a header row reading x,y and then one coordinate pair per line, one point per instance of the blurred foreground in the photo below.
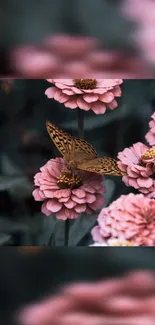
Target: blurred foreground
x,y
118,43
37,276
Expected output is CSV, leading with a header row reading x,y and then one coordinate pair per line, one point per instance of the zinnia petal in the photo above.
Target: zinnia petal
x,y
67,203
131,217
53,205
140,174
98,107
82,95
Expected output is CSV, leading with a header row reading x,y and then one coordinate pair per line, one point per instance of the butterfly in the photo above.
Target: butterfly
x,y
80,155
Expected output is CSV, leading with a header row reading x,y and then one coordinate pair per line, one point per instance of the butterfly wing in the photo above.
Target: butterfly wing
x,y
60,138
79,149
106,165
84,150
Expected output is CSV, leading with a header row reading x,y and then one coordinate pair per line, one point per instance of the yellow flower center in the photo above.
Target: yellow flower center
x,y
149,154
85,83
68,179
122,243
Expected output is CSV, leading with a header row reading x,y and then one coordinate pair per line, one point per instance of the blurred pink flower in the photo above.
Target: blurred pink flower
x,y
66,195
131,217
78,47
142,12
30,61
145,41
150,136
94,94
114,64
138,162
52,57
84,56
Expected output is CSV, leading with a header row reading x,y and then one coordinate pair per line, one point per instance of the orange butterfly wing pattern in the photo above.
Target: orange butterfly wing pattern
x,y
79,149
105,165
82,153
59,137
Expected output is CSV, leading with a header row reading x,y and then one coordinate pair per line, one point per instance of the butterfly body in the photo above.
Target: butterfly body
x,y
80,155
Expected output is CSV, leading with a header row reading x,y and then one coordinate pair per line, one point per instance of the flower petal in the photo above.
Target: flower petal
x,y
71,102
98,107
90,98
145,182
107,97
81,103
53,205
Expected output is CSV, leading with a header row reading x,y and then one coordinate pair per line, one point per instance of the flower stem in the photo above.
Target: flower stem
x,y
51,241
80,123
66,232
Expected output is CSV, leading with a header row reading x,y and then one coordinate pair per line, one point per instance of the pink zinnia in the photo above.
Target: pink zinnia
x,y
109,242
150,136
131,217
138,162
94,94
67,195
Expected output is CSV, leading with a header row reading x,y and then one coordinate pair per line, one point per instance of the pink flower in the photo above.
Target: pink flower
x,y
150,136
138,162
67,195
131,217
142,12
83,57
79,46
145,41
114,64
94,94
111,242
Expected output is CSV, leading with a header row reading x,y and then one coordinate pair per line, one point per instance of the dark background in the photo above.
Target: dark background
x,y
25,146
22,22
